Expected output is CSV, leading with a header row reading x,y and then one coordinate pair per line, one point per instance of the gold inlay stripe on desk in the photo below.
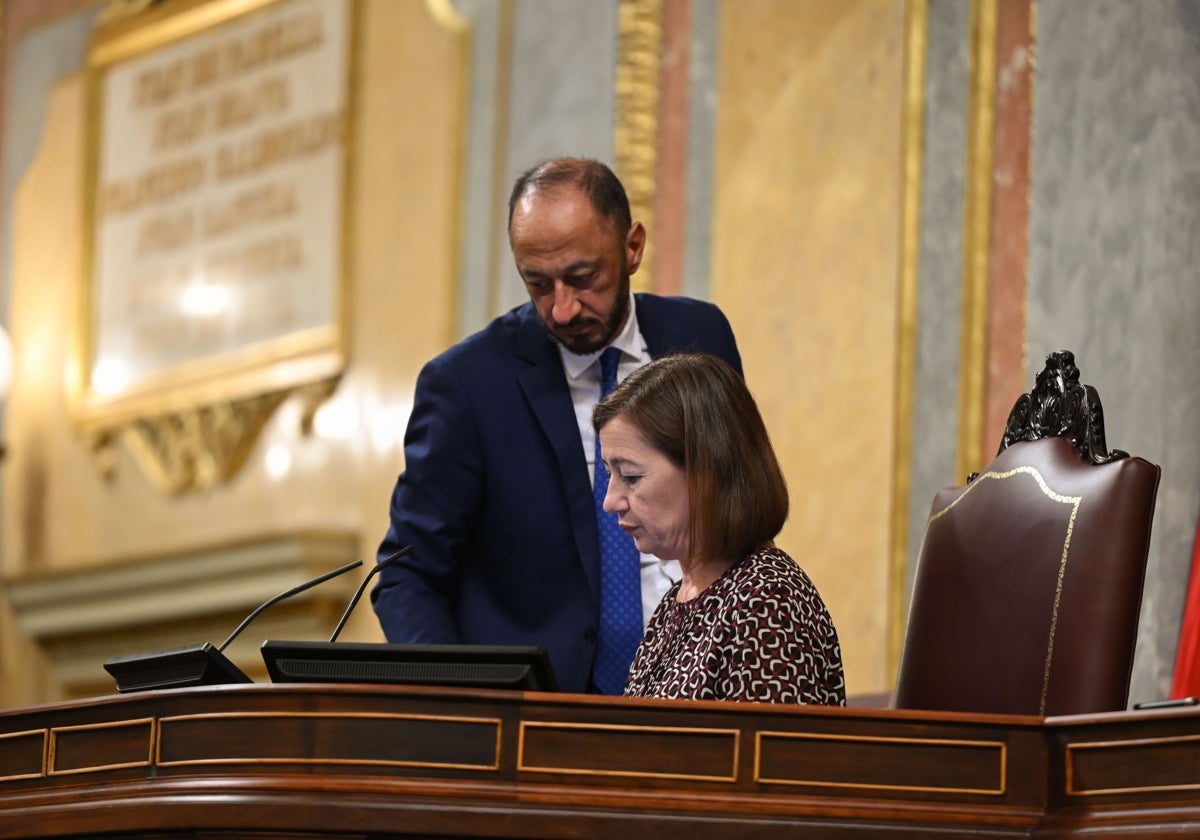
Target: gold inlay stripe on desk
x,y
139,738
638,760
1143,766
1000,765
440,747
7,750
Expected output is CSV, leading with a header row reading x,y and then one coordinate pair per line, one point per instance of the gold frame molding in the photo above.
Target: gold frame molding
x,y
981,130
917,16
635,140
191,426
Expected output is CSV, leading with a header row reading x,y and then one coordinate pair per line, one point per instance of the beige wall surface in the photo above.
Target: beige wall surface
x,y
1114,256
796,128
62,515
806,230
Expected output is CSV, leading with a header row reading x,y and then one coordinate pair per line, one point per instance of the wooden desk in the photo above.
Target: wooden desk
x,y
357,761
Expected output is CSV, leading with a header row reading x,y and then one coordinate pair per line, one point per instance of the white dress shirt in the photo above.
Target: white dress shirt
x,y
583,379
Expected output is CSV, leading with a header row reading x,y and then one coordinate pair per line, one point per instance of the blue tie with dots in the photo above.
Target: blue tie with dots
x,y
620,572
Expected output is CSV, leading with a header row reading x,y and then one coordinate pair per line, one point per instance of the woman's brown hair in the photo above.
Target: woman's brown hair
x,y
697,411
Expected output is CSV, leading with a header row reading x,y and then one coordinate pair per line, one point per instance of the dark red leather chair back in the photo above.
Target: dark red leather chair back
x,y
1029,580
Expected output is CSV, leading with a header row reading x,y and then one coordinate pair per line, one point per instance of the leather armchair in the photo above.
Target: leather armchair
x,y
1029,579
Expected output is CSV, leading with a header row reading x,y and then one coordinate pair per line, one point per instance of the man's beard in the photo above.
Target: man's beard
x,y
581,345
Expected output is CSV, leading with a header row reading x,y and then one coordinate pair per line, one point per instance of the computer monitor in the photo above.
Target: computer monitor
x,y
471,666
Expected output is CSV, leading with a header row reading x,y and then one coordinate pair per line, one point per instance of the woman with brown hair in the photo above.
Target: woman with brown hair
x,y
694,479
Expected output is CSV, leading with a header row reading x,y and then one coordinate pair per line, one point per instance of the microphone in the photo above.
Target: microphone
x,y
362,587
203,664
295,590
518,667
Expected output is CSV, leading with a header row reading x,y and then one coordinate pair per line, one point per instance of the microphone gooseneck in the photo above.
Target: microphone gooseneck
x,y
295,590
362,587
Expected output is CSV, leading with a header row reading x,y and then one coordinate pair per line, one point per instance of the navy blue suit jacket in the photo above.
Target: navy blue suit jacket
x,y
495,498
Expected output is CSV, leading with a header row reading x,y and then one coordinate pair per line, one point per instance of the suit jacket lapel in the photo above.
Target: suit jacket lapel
x,y
544,386
661,337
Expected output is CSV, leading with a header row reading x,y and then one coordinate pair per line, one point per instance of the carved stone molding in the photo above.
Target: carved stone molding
x,y
202,446
1061,406
639,53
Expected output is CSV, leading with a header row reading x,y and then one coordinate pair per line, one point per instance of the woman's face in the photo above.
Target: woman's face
x,y
646,490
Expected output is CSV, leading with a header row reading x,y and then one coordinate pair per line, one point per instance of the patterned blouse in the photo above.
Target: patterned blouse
x,y
758,632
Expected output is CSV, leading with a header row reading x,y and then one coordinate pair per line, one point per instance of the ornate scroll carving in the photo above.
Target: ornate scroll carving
x,y
203,446
1061,406
639,38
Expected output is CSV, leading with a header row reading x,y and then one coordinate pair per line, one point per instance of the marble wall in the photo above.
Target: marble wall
x,y
1114,256
940,261
562,100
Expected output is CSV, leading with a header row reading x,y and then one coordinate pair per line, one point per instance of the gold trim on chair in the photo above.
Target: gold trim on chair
x,y
1074,501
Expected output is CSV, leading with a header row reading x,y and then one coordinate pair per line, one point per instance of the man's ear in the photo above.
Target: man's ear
x,y
635,245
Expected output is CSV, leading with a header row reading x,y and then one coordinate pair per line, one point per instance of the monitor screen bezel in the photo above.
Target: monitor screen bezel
x,y
538,673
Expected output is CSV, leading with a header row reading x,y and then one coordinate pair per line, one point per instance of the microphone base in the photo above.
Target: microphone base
x,y
192,665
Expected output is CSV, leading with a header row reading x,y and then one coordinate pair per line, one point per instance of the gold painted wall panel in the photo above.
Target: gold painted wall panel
x,y
61,514
806,261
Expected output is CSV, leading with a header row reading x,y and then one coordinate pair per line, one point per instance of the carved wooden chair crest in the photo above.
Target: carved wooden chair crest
x,y
1029,579
1061,406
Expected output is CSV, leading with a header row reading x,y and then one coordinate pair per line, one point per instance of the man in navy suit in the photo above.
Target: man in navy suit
x,y
496,496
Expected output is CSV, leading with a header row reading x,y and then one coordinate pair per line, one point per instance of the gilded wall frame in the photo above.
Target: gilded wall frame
x,y
635,134
215,265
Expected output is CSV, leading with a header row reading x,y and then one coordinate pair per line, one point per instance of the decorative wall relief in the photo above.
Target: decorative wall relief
x,y
216,211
